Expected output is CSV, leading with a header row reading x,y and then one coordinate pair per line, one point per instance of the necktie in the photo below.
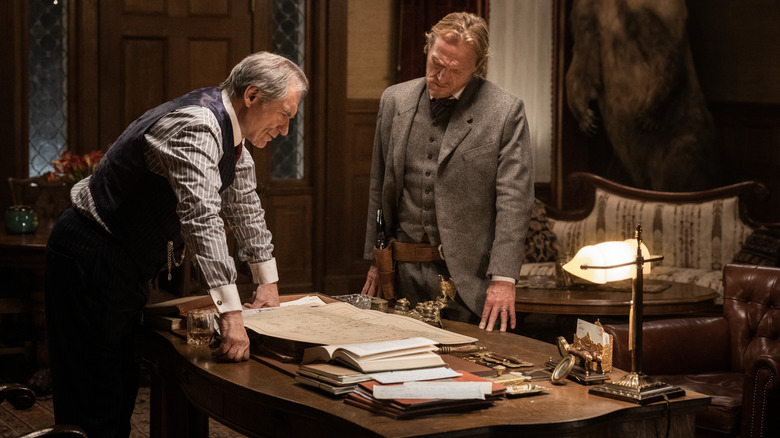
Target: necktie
x,y
238,151
439,105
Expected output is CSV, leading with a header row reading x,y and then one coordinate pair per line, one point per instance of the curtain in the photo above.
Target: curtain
x,y
521,39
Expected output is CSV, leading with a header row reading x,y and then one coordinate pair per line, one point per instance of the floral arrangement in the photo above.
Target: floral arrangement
x,y
73,168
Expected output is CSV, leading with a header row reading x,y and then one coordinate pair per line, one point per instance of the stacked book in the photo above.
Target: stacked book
x,y
366,396
331,378
369,375
338,368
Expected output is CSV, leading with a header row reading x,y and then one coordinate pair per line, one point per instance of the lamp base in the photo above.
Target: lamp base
x,y
637,388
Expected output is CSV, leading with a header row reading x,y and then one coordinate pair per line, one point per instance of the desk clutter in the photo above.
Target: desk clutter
x,y
394,364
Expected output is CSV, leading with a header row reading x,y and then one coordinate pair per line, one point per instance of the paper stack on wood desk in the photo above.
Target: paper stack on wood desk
x,y
409,408
334,379
334,374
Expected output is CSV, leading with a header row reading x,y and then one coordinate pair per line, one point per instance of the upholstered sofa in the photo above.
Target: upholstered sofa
x,y
697,233
734,357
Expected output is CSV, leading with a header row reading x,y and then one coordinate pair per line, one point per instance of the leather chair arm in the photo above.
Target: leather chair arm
x,y
675,346
20,396
761,397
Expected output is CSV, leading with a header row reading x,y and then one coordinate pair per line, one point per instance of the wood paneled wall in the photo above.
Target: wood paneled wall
x,y
346,269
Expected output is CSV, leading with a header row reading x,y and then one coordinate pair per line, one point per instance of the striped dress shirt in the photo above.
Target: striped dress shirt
x,y
184,147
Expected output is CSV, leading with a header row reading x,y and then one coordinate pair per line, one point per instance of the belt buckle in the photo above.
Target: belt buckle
x,y
441,251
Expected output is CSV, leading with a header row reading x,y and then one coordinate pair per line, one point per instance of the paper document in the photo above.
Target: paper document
x,y
596,332
311,301
389,377
343,323
434,390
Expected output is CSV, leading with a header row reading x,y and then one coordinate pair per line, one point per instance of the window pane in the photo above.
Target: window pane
x,y
48,83
288,41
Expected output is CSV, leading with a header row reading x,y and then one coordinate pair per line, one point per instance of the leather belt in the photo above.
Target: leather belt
x,y
417,252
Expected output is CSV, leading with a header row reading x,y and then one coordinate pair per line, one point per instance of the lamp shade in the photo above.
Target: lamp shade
x,y
604,255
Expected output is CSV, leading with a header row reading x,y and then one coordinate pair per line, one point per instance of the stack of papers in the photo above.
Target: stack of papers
x,y
337,379
464,393
333,379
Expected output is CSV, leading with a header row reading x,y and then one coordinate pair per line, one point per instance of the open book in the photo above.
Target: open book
x,y
401,354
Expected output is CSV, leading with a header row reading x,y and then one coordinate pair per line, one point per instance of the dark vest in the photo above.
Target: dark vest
x,y
138,206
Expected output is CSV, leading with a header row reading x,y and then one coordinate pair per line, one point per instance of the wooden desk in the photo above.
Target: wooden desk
x,y
679,298
254,399
23,250
28,252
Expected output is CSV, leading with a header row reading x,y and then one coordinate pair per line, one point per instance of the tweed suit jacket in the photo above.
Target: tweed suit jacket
x,y
483,187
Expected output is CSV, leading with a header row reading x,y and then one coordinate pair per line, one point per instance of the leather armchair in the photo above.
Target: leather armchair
x,y
733,358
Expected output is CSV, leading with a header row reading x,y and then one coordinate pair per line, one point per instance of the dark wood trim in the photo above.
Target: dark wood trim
x,y
317,125
13,115
13,75
558,85
84,84
262,24
336,256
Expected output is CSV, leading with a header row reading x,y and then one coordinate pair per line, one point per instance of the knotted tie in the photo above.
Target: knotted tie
x,y
439,105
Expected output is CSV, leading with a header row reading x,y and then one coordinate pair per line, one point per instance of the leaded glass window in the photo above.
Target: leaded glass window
x,y
48,83
288,41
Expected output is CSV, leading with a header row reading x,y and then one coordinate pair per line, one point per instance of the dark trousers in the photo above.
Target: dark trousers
x,y
94,298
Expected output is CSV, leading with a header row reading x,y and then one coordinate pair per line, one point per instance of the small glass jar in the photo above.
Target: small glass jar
x,y
20,219
562,278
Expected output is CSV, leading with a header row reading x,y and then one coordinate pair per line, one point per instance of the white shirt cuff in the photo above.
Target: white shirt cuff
x,y
500,278
264,272
226,298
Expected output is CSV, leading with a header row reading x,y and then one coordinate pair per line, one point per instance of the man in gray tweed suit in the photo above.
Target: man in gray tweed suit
x,y
452,173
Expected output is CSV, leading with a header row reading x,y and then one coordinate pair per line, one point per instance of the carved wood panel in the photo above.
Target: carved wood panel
x,y
348,180
153,51
290,219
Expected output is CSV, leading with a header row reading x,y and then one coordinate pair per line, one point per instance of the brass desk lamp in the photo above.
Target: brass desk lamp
x,y
613,261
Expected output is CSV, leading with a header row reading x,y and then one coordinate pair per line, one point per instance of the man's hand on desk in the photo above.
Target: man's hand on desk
x,y
266,295
500,303
234,345
371,287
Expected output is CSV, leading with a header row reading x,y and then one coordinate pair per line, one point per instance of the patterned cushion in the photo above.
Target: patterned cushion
x,y
540,242
762,247
546,268
703,235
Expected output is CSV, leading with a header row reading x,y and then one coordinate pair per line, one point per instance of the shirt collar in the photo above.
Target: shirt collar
x,y
237,136
455,95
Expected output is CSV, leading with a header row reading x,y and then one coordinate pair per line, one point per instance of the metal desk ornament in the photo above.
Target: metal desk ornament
x,y
585,360
428,311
